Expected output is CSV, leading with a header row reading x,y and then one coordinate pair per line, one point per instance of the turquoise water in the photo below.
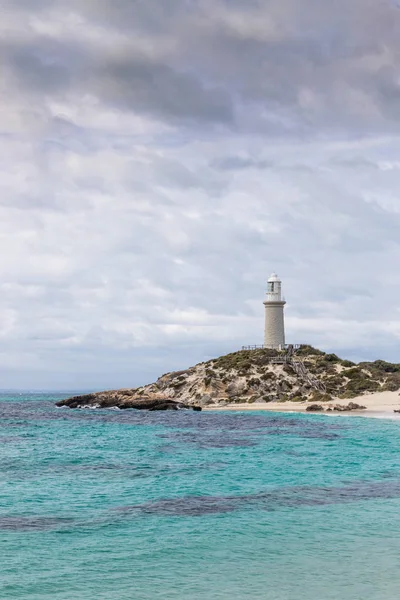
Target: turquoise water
x,y
132,505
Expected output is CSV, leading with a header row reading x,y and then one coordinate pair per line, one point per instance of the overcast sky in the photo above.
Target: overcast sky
x,y
160,158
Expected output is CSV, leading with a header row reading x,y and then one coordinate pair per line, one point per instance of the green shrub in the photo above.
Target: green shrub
x,y
288,384
332,358
284,398
358,386
269,353
331,370
268,375
298,398
324,366
335,383
318,396
356,372
307,350
385,367
392,383
347,363
348,394
390,386
246,365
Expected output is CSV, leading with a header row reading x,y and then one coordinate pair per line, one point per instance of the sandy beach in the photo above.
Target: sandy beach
x,y
378,404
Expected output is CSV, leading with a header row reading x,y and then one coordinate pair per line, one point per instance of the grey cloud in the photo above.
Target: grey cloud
x,y
277,68
23,5
144,86
388,90
352,162
127,82
236,163
33,70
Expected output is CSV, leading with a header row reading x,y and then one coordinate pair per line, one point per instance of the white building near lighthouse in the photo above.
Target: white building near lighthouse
x,y
274,332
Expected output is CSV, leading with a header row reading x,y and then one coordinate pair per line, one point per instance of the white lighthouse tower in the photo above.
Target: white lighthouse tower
x,y
274,333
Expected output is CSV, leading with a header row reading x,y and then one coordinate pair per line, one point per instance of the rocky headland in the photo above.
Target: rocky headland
x,y
306,377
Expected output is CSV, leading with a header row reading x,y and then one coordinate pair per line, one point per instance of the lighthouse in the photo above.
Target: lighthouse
x,y
274,333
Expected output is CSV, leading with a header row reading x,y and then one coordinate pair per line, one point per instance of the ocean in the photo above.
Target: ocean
x,y
111,504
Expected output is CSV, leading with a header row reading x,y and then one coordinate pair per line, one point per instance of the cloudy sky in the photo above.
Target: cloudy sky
x,y
159,158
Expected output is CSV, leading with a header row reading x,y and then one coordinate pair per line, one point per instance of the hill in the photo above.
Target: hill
x,y
250,376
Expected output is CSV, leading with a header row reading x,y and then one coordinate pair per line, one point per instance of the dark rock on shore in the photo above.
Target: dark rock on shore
x,y
122,401
349,406
337,407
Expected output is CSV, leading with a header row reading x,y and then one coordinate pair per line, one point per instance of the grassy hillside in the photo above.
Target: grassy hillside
x,y
250,376
258,376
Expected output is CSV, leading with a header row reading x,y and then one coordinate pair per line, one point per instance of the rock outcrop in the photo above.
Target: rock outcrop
x,y
119,399
250,376
349,406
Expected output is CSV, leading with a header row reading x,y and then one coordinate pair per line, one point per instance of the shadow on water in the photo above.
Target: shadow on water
x,y
290,497
32,523
196,506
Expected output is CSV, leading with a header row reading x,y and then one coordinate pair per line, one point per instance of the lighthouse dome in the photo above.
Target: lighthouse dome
x,y
274,277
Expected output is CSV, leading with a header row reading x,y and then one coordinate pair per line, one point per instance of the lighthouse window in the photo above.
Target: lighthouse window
x,y
271,287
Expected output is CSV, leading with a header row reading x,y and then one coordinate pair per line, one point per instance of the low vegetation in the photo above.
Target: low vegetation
x,y
262,376
250,376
